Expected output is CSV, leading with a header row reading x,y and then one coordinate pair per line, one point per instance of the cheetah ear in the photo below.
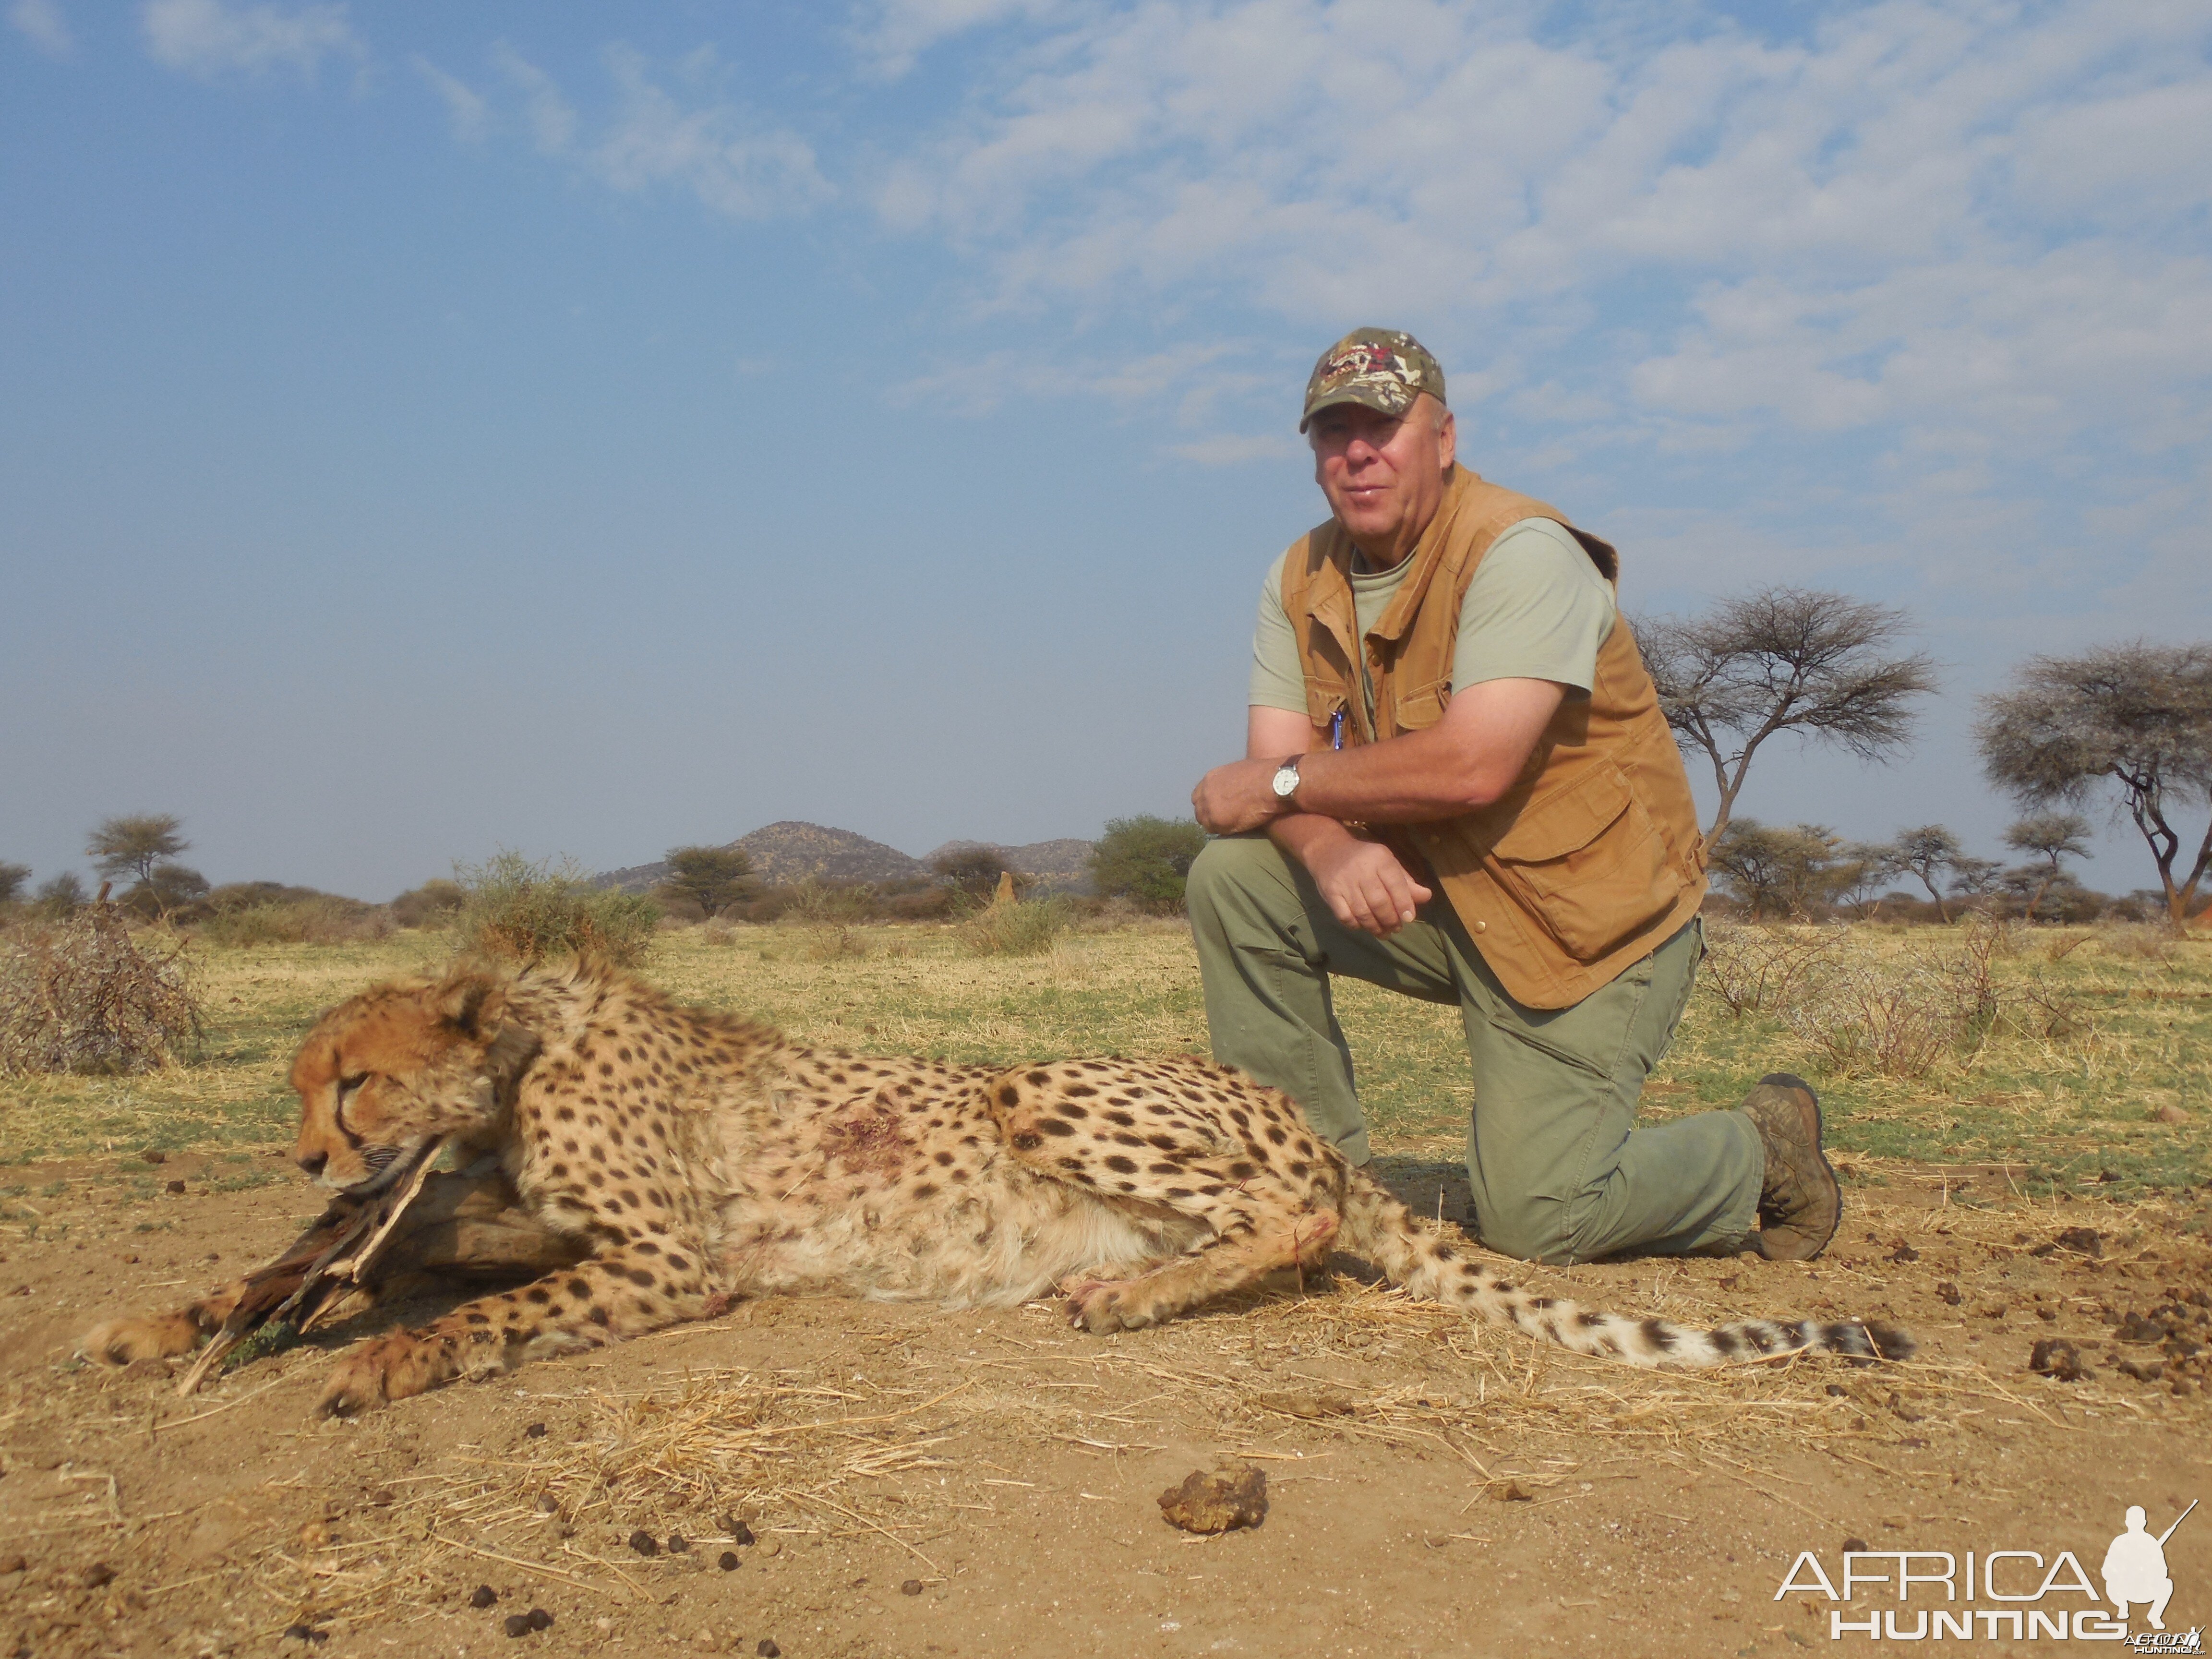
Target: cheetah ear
x,y
468,1003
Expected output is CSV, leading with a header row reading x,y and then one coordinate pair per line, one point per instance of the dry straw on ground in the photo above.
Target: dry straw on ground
x,y
88,995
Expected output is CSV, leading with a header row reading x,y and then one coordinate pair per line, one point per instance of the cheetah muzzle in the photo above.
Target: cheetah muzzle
x,y
655,1161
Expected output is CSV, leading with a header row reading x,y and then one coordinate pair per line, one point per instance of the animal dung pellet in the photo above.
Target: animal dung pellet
x,y
539,1619
911,1587
737,1531
644,1542
517,1624
97,1574
152,1157
677,1543
729,1561
2055,1357
535,1431
1220,1500
767,1649
176,1186
482,1597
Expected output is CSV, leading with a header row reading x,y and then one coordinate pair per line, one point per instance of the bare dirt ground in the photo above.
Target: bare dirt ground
x,y
919,1482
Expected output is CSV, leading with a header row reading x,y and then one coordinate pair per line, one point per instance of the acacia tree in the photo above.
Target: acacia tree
x,y
2138,716
12,878
974,868
1822,666
1773,868
2052,837
133,845
1924,853
711,878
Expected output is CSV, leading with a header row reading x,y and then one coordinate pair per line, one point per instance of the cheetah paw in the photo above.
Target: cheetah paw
x,y
1103,1306
123,1341
379,1371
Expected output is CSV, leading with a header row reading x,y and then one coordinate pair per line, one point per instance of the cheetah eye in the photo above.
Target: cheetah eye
x,y
348,1084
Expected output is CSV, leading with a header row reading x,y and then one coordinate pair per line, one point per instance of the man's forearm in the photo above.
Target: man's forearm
x,y
1413,779
1303,835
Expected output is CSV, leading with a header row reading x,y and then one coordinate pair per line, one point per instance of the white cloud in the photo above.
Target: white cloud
x,y
707,147
693,137
206,38
1926,211
892,34
41,23
551,120
466,109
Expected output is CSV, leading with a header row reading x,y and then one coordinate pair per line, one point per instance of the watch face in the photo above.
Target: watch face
x,y
1286,780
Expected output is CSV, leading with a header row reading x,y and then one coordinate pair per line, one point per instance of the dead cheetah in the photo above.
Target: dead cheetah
x,y
671,1159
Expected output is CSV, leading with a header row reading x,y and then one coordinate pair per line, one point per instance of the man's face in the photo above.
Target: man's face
x,y
1383,476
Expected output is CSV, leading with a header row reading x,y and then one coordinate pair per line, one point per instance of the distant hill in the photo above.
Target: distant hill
x,y
1061,866
793,850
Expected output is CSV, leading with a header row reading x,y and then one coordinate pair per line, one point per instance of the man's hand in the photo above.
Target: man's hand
x,y
1364,884
1241,796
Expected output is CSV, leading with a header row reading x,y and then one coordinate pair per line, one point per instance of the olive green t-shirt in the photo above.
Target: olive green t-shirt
x,y
1537,609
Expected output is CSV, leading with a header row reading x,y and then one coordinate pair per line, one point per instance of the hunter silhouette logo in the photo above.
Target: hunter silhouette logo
x,y
2134,1566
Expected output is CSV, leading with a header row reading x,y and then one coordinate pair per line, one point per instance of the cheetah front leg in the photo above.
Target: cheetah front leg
x,y
620,1293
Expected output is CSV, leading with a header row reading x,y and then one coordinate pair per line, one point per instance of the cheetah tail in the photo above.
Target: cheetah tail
x,y
1420,1260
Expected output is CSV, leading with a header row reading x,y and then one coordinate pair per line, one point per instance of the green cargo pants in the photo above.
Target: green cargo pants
x,y
1559,1172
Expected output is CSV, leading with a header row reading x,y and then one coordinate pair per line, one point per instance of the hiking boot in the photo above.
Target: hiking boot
x,y
1800,1205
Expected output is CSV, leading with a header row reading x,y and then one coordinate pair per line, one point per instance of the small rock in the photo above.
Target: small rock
x,y
535,1431
307,1633
729,1561
97,1574
175,1187
1220,1501
2138,1327
316,1535
2055,1357
15,1563
1855,1547
911,1587
1903,1252
153,1156
774,1546
482,1597
539,1619
644,1542
2143,1370
2171,1113
767,1649
1509,1491
1838,1391
548,1505
517,1624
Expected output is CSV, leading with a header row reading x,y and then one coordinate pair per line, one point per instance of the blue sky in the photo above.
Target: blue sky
x,y
591,430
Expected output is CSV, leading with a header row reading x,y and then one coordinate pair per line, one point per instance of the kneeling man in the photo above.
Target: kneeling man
x,y
1458,784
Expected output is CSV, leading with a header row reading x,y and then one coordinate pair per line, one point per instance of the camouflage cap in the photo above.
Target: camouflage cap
x,y
1383,368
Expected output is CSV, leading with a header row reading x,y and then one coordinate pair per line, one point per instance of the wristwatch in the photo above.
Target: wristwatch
x,y
1286,780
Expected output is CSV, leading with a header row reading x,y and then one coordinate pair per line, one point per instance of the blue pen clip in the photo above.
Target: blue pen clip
x,y
1336,729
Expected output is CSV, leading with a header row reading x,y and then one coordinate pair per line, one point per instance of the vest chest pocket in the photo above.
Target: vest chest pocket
x,y
1421,706
1586,861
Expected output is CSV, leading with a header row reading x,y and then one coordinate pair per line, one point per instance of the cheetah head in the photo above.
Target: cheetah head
x,y
386,1073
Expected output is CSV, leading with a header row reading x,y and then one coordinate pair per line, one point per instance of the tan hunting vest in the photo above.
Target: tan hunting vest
x,y
1593,858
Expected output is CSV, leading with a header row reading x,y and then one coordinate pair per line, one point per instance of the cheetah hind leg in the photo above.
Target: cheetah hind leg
x,y
1212,1267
